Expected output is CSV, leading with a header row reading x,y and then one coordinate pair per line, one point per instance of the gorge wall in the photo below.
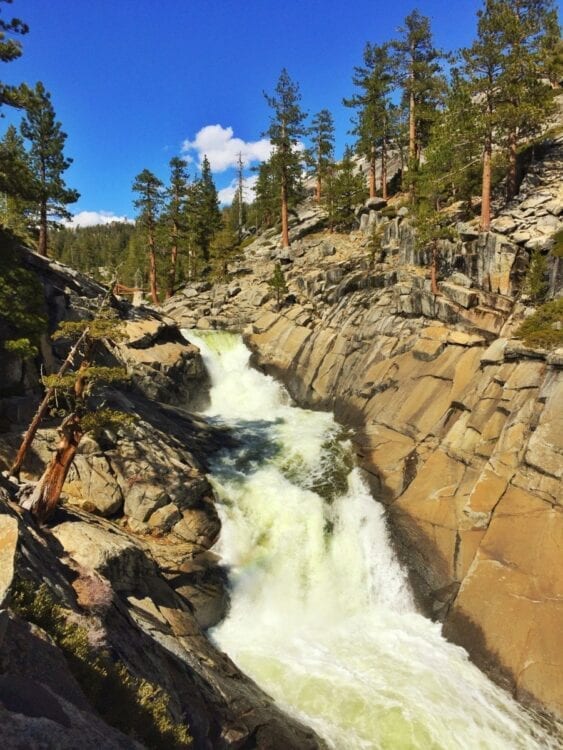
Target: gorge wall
x,y
457,424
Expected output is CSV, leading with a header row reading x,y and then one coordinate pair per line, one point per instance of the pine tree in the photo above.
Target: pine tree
x,y
373,125
278,284
75,387
175,217
483,64
504,68
321,154
16,185
345,190
286,128
204,215
452,157
418,68
266,191
47,160
525,97
10,49
149,204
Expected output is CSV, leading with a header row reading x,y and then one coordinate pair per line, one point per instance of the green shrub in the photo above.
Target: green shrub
x,y
535,283
557,249
544,329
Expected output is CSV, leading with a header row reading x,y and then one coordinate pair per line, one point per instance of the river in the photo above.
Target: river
x,y
322,616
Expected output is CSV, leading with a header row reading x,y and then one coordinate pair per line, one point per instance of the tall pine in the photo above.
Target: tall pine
x,y
204,215
418,71
174,216
286,129
47,160
321,153
373,123
149,205
10,49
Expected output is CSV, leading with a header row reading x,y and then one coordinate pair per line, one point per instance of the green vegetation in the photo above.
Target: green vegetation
x,y
557,249
544,329
345,189
321,154
286,128
535,283
376,120
132,704
278,285
22,313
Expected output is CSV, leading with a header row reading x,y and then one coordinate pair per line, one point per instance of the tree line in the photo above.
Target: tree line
x,y
451,119
454,122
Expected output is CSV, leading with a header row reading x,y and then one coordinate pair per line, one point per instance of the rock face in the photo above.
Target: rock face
x,y
102,614
464,444
105,622
458,425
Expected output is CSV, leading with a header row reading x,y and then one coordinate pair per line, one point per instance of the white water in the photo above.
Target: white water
x,y
322,616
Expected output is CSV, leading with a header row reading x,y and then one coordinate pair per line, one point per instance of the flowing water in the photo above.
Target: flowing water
x,y
322,616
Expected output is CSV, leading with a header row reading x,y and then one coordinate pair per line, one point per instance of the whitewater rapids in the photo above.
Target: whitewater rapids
x,y
322,616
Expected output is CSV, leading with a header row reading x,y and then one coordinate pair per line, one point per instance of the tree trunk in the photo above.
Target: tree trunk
x,y
173,261
152,271
372,173
485,224
40,413
512,173
45,497
284,212
412,129
384,170
318,189
43,229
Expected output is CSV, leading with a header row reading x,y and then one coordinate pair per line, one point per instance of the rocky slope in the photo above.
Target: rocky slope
x,y
458,425
103,613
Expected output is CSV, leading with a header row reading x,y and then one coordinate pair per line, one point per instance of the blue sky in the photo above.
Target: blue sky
x,y
135,81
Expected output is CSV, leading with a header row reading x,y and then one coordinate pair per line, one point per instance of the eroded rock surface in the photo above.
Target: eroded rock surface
x,y
458,424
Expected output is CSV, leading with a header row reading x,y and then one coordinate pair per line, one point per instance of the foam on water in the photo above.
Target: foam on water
x,y
322,616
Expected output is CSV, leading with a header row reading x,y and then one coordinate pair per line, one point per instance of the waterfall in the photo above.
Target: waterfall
x,y
322,617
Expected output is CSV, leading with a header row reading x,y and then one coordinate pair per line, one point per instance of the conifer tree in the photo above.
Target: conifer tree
x,y
321,153
525,97
345,190
149,204
504,68
278,284
266,191
175,217
286,128
47,160
373,124
483,64
418,70
452,157
10,49
16,185
76,387
204,215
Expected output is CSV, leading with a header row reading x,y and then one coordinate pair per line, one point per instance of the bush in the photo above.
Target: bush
x,y
535,283
557,249
544,329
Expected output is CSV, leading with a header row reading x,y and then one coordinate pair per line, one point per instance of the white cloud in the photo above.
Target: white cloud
x,y
222,148
92,218
227,194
